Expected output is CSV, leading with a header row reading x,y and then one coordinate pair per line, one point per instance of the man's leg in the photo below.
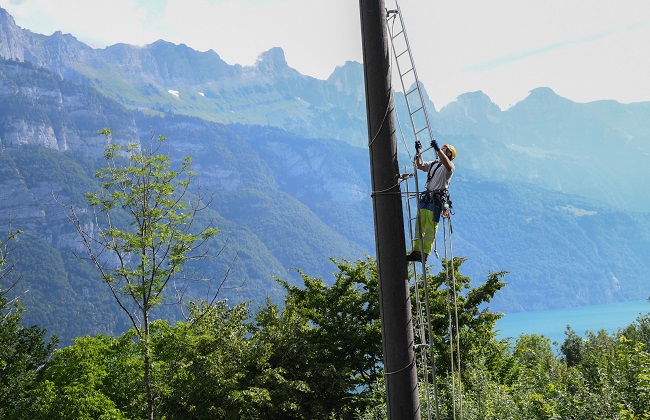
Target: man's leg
x,y
427,232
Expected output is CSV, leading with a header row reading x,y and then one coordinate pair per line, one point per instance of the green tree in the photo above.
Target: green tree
x,y
143,233
329,338
639,330
6,267
94,378
633,378
572,347
326,341
615,375
216,366
23,350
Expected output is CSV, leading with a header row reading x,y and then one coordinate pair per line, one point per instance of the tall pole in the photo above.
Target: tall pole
x,y
394,300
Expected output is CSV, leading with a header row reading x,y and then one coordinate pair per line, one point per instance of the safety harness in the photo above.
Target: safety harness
x,y
427,196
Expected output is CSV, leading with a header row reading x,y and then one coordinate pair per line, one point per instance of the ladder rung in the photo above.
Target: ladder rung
x,y
415,89
420,108
406,72
420,130
398,34
401,54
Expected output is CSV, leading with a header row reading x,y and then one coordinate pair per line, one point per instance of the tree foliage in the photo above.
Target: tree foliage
x,y
144,217
23,350
329,339
319,356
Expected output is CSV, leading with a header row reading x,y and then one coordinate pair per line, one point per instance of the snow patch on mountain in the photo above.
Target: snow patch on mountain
x,y
576,211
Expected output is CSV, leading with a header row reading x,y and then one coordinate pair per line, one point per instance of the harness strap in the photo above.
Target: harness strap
x,y
435,168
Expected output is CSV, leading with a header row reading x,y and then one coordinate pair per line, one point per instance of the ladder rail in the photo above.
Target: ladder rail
x,y
398,13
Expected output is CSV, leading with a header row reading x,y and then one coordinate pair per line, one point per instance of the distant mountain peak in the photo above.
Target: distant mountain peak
x,y
161,42
348,67
59,34
542,99
274,56
12,39
61,39
162,45
474,97
272,62
5,16
546,94
542,92
473,106
348,79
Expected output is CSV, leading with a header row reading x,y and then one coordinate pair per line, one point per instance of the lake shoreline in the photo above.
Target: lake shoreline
x,y
552,323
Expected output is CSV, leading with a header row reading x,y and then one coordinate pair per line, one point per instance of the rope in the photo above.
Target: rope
x,y
453,280
386,191
383,120
399,125
453,321
400,370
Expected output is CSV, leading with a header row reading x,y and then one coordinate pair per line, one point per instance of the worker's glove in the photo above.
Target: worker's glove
x,y
418,145
434,144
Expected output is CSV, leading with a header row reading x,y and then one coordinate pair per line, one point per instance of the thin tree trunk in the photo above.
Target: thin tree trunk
x,y
147,366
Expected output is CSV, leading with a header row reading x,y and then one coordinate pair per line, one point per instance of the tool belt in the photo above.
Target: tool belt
x,y
440,197
427,197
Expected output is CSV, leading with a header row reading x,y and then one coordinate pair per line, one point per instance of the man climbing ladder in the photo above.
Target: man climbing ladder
x,y
433,199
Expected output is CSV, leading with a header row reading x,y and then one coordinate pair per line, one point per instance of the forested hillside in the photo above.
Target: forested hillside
x,y
560,250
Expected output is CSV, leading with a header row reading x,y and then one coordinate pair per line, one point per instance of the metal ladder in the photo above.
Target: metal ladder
x,y
423,133
422,330
409,78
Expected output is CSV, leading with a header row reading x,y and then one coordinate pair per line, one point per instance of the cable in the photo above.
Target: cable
x,y
453,321
401,370
453,279
383,120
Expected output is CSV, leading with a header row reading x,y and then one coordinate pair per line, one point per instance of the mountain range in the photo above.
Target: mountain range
x,y
552,191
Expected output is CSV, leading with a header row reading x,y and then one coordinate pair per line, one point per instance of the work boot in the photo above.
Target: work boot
x,y
416,256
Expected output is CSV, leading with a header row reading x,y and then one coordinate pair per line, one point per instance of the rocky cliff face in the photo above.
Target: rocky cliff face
x,y
25,212
39,108
16,43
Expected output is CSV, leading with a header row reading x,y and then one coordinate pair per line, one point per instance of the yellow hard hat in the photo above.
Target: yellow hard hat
x,y
453,150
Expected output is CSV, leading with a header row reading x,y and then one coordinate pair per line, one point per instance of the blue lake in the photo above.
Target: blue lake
x,y
552,323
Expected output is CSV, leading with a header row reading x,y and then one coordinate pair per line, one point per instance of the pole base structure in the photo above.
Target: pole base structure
x,y
395,303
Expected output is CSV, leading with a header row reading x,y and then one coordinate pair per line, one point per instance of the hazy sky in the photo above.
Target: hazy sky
x,y
584,50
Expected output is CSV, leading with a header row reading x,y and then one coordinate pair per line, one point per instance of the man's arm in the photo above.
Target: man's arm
x,y
444,159
419,163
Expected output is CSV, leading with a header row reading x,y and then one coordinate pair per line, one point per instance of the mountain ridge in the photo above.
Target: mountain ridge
x,y
550,190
